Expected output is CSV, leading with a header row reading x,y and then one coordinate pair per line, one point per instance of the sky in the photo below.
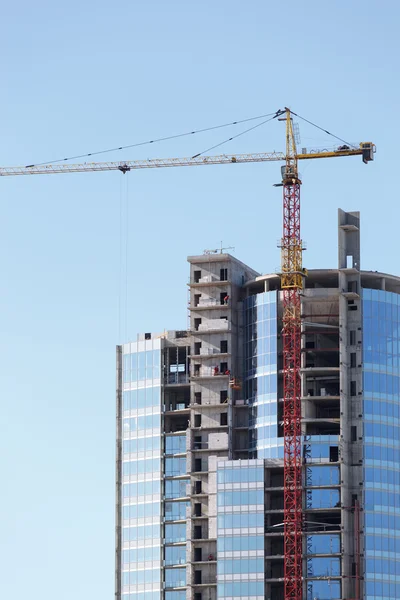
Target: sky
x,y
89,260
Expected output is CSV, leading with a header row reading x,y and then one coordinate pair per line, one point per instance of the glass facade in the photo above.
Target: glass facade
x,y
381,348
175,507
240,529
142,471
261,374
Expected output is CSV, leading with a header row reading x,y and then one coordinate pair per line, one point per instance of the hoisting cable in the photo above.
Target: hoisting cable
x,y
278,112
163,139
324,130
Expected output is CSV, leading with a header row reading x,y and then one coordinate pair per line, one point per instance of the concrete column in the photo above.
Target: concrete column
x,y
118,479
350,347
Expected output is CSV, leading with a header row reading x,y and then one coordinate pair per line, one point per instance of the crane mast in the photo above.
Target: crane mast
x,y
292,283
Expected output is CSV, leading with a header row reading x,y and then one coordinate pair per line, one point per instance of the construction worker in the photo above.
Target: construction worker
x,y
226,299
216,371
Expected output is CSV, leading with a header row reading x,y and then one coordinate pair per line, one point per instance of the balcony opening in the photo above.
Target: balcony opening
x,y
197,397
196,276
197,370
198,555
198,467
333,453
352,287
197,323
197,299
197,442
223,274
223,298
223,396
197,509
197,532
224,419
197,577
197,347
223,346
223,368
197,597
197,487
197,420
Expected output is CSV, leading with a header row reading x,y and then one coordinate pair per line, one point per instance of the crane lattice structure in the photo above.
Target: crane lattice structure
x,y
292,281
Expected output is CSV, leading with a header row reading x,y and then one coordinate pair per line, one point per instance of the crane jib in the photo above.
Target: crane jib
x,y
366,150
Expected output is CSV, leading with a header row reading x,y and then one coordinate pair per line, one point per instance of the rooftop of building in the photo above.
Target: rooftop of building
x,y
216,256
327,278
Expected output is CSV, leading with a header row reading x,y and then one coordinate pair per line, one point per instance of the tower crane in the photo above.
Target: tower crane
x,y
292,281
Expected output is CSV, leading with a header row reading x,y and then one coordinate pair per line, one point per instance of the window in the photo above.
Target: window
x,y
333,453
222,297
197,323
147,336
175,533
196,276
197,532
223,367
223,396
353,357
224,419
175,467
223,274
197,397
353,433
197,420
353,388
352,338
175,578
175,555
197,299
198,465
223,346
197,487
197,347
196,370
198,553
197,577
197,509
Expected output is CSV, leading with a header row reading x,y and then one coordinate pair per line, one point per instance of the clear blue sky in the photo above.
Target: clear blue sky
x,y
83,76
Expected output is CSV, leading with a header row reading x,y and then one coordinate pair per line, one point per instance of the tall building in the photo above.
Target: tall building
x,y
200,487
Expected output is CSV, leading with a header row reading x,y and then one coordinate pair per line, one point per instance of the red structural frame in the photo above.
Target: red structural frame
x,y
293,514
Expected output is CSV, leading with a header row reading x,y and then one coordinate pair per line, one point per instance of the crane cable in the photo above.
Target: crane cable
x,y
124,230
324,130
162,139
279,112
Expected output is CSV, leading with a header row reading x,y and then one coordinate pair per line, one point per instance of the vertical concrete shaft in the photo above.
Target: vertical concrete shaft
x,y
118,476
350,347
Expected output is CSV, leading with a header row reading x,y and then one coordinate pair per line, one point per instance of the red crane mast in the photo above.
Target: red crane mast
x,y
292,283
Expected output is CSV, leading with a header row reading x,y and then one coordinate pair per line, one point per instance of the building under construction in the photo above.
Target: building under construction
x,y
200,439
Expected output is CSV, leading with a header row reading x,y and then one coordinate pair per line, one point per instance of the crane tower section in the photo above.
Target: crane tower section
x,y
292,282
